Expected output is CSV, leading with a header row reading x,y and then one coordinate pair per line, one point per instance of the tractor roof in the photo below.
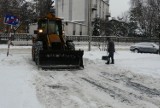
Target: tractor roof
x,y
50,16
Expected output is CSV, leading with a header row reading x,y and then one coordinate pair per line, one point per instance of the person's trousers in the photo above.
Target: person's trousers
x,y
111,56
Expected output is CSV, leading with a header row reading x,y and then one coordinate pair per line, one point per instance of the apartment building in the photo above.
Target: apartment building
x,y
75,14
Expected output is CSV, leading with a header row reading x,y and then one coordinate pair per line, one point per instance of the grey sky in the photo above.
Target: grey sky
x,y
117,7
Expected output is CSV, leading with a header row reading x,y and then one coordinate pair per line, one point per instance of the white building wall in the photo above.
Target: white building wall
x,y
77,29
32,27
71,10
77,11
74,28
69,28
84,30
102,8
62,9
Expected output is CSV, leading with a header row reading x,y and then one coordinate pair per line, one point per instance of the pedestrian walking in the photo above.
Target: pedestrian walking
x,y
110,50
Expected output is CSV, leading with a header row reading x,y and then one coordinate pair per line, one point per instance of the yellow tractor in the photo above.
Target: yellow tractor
x,y
50,50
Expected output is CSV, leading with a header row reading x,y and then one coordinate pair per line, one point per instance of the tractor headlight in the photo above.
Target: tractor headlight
x,y
40,31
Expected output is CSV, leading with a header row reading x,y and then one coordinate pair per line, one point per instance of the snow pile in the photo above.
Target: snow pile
x,y
16,80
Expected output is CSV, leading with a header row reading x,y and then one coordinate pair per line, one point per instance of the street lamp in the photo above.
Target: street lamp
x,y
159,43
89,24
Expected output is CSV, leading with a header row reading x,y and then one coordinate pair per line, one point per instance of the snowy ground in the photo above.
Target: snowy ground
x,y
132,82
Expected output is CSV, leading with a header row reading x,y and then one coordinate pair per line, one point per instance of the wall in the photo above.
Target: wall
x,y
71,10
102,8
32,27
77,11
74,28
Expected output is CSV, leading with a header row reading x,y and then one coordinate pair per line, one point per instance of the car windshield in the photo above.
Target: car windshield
x,y
155,45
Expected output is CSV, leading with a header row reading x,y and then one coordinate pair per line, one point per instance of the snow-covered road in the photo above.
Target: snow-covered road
x,y
132,82
98,86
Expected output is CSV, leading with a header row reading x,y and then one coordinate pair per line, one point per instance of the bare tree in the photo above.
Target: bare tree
x,y
146,13
43,6
20,8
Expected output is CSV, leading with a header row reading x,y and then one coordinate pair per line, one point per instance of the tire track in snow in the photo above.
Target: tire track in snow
x,y
143,89
111,92
136,94
137,86
144,93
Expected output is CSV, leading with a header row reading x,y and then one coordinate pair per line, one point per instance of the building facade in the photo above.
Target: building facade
x,y
75,14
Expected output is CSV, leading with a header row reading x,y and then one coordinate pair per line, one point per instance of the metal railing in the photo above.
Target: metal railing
x,y
16,36
84,38
79,38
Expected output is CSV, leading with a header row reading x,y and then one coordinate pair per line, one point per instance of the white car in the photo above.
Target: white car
x,y
145,47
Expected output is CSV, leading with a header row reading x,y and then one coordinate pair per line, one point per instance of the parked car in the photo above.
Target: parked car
x,y
145,47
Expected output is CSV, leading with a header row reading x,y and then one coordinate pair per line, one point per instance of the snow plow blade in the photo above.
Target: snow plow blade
x,y
61,59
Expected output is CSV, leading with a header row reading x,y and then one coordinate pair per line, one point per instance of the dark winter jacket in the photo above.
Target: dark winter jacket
x,y
111,46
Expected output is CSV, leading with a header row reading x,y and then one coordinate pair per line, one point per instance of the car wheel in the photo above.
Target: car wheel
x,y
157,52
136,51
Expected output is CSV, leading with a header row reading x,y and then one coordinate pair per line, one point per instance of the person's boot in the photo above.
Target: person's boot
x,y
107,62
112,62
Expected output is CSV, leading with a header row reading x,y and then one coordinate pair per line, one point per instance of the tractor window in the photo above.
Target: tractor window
x,y
53,27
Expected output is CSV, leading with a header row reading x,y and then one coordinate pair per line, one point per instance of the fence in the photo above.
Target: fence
x,y
114,38
25,37
16,37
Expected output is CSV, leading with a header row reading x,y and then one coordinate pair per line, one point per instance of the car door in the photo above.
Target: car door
x,y
149,48
143,47
154,48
